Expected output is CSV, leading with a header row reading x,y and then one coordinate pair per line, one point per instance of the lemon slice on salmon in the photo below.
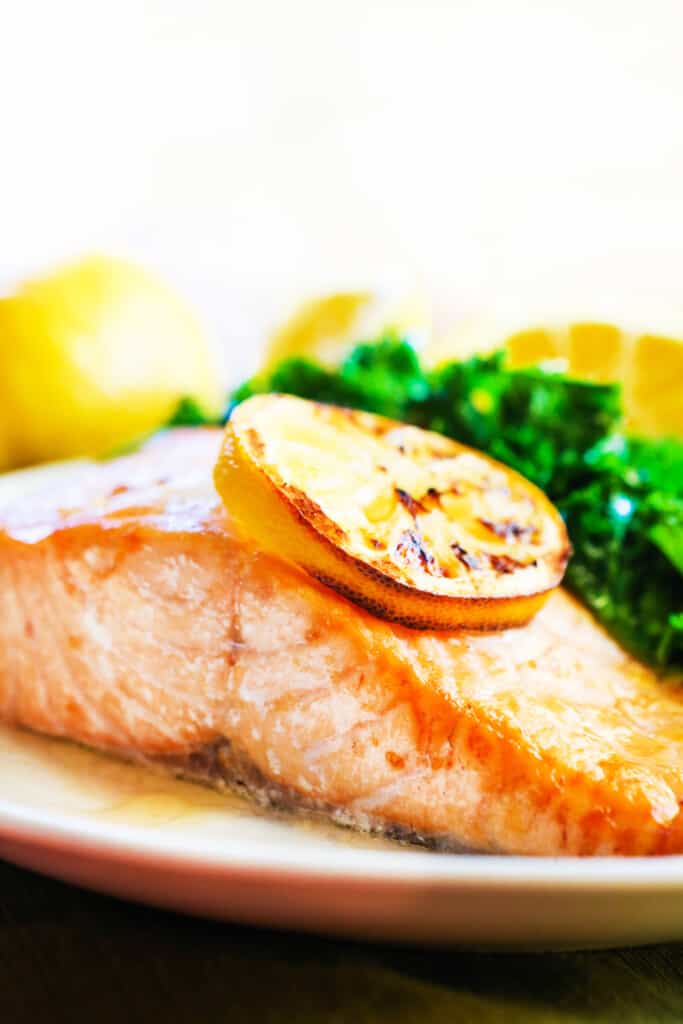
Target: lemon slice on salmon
x,y
411,525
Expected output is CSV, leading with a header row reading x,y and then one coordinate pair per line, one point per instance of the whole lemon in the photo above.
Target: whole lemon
x,y
92,356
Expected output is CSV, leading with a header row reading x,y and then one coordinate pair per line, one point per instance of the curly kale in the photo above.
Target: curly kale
x,y
539,423
626,526
383,377
188,413
622,497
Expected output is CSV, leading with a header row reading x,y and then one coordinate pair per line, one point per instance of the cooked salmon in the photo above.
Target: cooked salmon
x,y
135,619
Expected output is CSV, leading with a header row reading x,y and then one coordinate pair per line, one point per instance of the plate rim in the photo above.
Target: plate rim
x,y
347,864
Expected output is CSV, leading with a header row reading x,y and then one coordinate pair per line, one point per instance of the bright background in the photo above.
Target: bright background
x,y
515,156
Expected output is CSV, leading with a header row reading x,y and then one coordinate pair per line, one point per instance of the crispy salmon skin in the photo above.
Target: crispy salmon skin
x,y
137,620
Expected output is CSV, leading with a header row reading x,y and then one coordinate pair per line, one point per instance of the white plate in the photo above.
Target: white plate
x,y
124,830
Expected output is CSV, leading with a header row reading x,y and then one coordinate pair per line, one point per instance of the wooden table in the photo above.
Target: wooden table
x,y
67,955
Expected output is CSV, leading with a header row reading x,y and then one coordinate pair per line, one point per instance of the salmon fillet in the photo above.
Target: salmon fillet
x,y
134,619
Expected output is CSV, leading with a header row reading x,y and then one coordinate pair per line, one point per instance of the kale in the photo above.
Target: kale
x,y
539,423
656,463
627,564
387,376
621,497
383,377
626,526
188,413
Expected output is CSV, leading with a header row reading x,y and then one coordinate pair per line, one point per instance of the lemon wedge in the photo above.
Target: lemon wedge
x,y
411,525
92,356
653,386
649,366
321,328
534,345
325,328
590,350
597,351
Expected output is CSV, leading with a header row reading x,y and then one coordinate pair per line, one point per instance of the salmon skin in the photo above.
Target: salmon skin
x,y
136,620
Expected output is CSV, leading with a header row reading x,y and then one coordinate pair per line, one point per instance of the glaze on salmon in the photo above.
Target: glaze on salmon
x,y
135,619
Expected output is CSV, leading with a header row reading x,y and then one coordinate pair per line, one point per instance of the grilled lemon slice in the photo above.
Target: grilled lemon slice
x,y
413,526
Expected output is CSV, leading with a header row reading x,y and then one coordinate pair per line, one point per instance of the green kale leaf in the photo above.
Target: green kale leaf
x,y
188,413
542,424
